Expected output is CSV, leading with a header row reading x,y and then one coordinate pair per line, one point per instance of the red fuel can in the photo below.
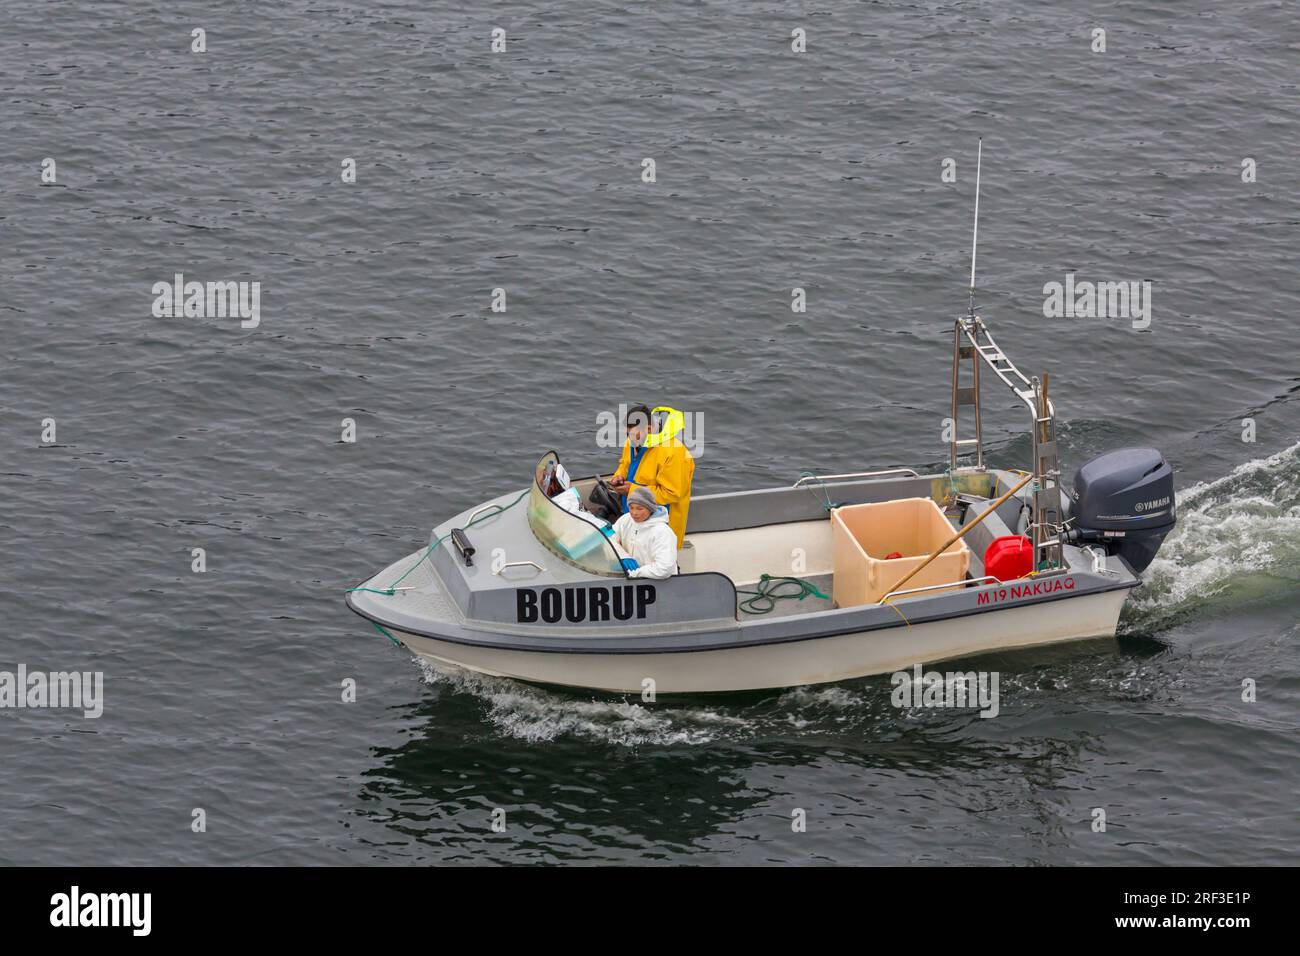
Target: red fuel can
x,y
1009,557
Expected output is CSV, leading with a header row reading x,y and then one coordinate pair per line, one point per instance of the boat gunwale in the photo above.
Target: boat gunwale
x,y
739,629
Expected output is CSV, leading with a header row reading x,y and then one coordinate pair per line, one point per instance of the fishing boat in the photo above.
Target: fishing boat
x,y
883,569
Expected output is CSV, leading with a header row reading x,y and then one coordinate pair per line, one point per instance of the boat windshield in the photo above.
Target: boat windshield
x,y
576,538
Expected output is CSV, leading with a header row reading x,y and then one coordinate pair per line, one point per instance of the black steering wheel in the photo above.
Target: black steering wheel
x,y
605,499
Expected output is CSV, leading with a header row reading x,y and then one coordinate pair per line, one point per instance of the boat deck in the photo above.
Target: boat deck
x,y
788,607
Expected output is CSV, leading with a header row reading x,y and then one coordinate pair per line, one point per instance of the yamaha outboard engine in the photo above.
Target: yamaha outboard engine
x,y
1124,500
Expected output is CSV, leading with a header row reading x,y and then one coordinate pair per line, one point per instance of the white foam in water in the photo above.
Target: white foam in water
x,y
535,714
822,698
1237,537
801,707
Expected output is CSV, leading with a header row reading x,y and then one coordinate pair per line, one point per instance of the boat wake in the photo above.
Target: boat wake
x,y
535,714
540,714
1237,540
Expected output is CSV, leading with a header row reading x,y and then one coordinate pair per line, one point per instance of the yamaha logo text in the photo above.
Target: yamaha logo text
x,y
1148,505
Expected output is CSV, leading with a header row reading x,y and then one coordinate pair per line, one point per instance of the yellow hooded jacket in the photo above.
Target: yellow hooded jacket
x,y
666,468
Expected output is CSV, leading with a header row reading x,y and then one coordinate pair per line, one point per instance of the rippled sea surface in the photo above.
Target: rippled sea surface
x,y
522,170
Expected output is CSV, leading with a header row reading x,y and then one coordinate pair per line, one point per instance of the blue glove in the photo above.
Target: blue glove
x,y
629,564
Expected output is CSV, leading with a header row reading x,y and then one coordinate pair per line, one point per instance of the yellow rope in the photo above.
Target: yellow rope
x,y
899,613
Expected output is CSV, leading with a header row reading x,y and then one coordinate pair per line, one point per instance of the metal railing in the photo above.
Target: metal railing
x,y
519,564
480,511
985,579
909,472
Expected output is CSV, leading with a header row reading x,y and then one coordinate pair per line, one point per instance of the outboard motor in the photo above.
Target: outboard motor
x,y
1124,500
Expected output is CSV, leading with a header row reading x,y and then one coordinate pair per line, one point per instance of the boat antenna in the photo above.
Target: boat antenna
x,y
979,156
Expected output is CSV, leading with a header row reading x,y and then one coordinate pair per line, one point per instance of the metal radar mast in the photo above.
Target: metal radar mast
x,y
971,340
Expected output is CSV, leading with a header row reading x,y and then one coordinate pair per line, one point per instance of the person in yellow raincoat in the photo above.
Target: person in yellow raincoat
x,y
658,461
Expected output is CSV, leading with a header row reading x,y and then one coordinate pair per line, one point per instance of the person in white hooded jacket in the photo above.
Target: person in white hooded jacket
x,y
645,534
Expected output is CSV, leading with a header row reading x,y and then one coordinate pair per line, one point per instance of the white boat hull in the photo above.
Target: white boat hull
x,y
794,663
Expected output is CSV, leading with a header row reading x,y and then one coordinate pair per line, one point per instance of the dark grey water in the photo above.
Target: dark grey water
x,y
522,170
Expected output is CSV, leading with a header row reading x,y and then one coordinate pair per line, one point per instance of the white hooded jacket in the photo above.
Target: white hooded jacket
x,y
651,542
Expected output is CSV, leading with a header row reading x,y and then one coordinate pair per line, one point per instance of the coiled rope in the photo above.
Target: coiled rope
x,y
767,593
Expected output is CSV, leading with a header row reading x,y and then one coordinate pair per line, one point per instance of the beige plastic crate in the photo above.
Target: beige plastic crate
x,y
863,534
